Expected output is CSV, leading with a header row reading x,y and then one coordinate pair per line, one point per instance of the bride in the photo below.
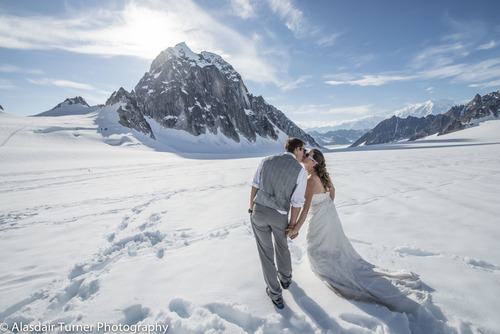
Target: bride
x,y
334,260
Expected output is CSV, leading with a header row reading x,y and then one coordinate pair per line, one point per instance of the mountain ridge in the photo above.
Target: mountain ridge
x,y
412,128
431,107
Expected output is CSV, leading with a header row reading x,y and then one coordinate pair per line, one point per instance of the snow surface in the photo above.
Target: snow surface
x,y
96,227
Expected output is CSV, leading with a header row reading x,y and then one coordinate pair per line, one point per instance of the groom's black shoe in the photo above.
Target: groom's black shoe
x,y
285,285
278,303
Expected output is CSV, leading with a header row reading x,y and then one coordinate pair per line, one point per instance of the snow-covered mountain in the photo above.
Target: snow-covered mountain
x,y
200,94
70,106
425,109
349,131
344,132
363,123
338,137
413,128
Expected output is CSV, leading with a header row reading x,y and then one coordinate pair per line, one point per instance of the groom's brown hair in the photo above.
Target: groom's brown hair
x,y
292,143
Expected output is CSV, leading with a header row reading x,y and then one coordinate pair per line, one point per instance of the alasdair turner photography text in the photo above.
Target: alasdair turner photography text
x,y
99,327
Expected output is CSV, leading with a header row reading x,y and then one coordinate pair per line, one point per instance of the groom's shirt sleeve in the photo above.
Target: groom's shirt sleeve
x,y
256,177
298,196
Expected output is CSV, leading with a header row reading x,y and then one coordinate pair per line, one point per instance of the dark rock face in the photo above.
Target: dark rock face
x,y
480,107
412,128
76,100
129,113
200,93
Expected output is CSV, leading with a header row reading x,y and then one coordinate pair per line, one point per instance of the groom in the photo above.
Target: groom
x,y
278,185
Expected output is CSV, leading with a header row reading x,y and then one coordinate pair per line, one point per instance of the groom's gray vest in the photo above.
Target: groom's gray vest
x,y
278,180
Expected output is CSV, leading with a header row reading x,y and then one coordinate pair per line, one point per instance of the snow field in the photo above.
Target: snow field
x,y
123,234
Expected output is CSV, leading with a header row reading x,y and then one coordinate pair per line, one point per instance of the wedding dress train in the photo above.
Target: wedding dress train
x,y
335,261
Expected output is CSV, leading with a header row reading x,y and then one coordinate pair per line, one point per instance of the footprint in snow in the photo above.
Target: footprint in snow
x,y
479,264
412,251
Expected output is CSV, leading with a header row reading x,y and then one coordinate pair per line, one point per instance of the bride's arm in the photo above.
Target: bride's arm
x,y
305,209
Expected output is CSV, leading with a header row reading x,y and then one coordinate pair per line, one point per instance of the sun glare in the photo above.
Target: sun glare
x,y
146,32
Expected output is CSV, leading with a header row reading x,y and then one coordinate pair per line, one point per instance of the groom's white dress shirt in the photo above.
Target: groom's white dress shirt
x,y
298,196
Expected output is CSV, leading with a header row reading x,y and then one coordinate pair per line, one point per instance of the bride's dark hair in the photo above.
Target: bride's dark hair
x,y
320,167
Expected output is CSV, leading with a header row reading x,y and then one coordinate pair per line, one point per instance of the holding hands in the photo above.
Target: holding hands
x,y
292,231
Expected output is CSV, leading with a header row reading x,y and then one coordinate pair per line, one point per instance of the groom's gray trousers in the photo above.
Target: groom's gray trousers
x,y
266,223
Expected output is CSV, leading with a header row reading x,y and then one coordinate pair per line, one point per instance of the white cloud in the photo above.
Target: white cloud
x,y
242,8
457,58
6,84
495,83
328,40
353,110
6,68
482,71
293,17
295,84
61,83
370,79
445,61
440,55
143,29
487,46
326,109
297,22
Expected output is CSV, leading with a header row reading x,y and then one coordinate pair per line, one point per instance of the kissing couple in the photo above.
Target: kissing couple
x,y
294,187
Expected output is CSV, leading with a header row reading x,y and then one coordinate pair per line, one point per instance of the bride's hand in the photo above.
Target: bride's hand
x,y
292,234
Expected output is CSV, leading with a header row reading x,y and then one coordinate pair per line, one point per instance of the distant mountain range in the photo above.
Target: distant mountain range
x,y
413,128
338,137
347,132
343,133
201,94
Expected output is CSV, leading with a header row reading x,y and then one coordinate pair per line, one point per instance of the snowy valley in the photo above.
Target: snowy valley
x,y
98,227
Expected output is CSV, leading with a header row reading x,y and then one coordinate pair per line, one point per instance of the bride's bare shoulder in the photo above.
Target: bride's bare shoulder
x,y
314,183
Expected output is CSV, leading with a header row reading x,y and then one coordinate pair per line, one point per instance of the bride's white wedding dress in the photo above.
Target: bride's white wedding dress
x,y
335,261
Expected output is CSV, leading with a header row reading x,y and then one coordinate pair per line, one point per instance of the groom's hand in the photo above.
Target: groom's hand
x,y
291,232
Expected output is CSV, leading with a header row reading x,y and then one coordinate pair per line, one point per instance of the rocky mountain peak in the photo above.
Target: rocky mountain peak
x,y
201,94
477,100
120,96
70,101
71,106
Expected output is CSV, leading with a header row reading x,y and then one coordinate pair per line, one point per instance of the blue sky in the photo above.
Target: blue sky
x,y
320,62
